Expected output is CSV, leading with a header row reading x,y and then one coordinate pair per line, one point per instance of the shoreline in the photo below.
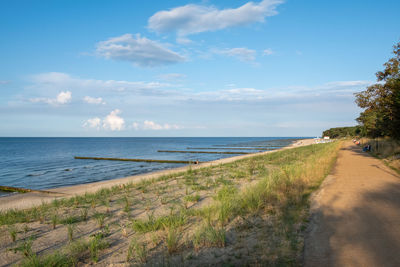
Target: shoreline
x,y
28,200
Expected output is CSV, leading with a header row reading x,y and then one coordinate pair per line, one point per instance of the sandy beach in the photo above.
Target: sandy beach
x,y
27,200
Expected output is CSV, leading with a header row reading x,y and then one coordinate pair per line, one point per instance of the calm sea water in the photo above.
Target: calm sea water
x,y
43,163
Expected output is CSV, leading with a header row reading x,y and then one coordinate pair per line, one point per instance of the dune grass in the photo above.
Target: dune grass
x,y
215,209
386,149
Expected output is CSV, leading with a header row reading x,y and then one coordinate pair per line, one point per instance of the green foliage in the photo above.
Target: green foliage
x,y
137,250
25,248
100,218
381,101
54,220
154,224
84,214
55,259
70,220
12,230
192,198
77,249
339,132
172,239
209,236
96,244
127,207
71,229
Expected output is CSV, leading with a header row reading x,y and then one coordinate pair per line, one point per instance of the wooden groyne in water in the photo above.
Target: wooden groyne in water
x,y
23,190
264,146
141,160
203,152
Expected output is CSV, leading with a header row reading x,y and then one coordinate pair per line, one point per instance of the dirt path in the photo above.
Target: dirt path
x,y
356,214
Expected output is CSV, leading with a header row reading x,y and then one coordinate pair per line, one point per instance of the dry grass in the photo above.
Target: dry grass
x,y
251,211
386,149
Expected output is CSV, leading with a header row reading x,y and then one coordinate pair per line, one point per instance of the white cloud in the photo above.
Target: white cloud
x,y
268,52
241,53
171,76
140,50
190,19
62,98
93,123
151,125
93,100
183,40
4,82
113,122
135,126
327,90
347,84
51,80
234,94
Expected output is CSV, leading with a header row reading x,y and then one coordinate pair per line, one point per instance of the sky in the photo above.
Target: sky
x,y
188,68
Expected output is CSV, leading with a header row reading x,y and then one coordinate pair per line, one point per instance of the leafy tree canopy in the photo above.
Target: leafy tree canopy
x,y
381,101
343,132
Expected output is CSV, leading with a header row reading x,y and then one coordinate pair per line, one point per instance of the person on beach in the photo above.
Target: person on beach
x,y
367,148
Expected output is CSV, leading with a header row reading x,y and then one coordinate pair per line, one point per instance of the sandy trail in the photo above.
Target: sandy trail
x,y
27,200
355,214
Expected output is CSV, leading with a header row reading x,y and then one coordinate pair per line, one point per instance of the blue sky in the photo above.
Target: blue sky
x,y
188,68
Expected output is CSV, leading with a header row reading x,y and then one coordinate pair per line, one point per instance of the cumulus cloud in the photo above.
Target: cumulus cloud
x,y
268,52
138,50
241,53
151,125
93,100
93,123
191,18
113,122
62,98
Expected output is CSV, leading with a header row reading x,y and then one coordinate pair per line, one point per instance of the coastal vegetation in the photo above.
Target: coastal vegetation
x,y
380,120
386,149
381,105
381,101
339,132
252,211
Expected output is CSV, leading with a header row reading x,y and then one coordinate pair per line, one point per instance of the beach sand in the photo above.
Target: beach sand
x,y
27,200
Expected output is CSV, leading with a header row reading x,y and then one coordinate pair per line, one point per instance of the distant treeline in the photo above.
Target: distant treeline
x,y
343,132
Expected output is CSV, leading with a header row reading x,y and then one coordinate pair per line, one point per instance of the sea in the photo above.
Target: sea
x,y
44,163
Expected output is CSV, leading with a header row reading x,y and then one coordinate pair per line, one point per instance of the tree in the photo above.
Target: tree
x,y
381,101
339,132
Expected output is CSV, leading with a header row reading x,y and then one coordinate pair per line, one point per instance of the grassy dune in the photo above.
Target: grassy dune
x,y
251,211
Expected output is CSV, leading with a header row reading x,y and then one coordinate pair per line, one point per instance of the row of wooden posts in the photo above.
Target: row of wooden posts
x,y
258,148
